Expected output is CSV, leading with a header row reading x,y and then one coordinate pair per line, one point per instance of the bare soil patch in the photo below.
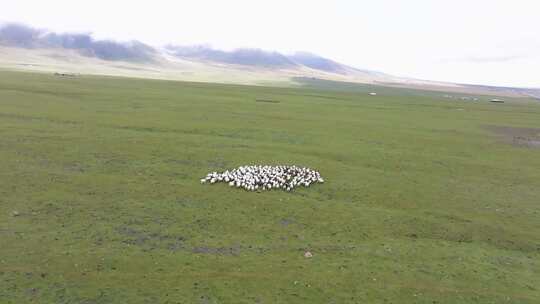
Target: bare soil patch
x,y
518,137
233,250
267,100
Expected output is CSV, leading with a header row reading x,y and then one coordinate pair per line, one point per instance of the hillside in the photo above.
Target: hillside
x,y
26,48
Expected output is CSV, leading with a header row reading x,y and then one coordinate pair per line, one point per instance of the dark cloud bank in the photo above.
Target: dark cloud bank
x,y
18,35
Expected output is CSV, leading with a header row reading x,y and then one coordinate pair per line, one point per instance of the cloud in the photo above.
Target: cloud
x,y
19,35
486,59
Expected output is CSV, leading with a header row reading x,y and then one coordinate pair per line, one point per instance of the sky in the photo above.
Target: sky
x,y
494,42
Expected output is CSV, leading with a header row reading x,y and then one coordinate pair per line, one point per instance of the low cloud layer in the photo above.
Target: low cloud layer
x,y
18,35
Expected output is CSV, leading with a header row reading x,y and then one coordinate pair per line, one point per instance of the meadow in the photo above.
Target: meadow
x,y
426,200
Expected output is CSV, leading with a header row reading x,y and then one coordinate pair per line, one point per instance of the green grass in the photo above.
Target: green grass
x,y
422,204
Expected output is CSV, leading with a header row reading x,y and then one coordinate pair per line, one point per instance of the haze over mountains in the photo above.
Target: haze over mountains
x,y
17,35
24,47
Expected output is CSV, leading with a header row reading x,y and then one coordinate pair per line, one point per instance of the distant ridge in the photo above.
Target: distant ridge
x,y
18,35
26,48
248,57
319,63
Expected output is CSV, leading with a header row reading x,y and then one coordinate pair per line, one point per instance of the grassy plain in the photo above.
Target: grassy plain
x,y
100,200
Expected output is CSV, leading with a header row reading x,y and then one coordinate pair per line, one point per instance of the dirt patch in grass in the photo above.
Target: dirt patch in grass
x,y
286,222
233,250
518,137
150,240
267,100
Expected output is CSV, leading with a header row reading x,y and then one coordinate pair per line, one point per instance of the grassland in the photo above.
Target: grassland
x,y
100,200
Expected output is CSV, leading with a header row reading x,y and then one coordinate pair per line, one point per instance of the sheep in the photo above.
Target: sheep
x,y
262,178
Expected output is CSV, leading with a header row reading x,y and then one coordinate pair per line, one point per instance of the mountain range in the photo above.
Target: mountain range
x,y
27,48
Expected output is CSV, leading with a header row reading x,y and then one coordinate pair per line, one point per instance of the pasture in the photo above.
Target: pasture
x,y
424,200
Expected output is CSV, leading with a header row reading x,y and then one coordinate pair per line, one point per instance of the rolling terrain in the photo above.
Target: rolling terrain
x,y
426,200
30,49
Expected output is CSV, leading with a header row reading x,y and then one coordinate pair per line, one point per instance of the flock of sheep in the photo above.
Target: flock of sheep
x,y
255,178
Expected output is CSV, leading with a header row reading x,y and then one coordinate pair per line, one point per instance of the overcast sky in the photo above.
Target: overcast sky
x,y
494,42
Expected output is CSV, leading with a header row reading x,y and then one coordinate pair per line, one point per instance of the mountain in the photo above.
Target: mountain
x,y
261,58
26,48
319,63
247,57
17,35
